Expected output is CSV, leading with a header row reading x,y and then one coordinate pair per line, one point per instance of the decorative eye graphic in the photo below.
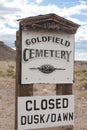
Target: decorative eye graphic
x,y
47,68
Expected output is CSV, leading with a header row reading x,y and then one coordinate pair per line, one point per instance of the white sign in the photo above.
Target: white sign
x,y
47,57
45,111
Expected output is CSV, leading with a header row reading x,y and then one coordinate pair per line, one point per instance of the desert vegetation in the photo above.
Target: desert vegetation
x,y
7,69
7,94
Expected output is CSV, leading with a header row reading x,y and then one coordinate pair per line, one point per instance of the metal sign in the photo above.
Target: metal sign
x,y
47,57
45,111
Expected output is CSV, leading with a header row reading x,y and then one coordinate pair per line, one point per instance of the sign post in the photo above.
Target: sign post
x,y
45,54
21,90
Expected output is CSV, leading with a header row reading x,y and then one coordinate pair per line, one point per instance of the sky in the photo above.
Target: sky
x,y
75,10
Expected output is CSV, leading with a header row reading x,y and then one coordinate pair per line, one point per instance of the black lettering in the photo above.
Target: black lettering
x,y
52,53
70,116
44,104
62,41
28,108
53,117
23,120
65,103
47,117
65,116
49,38
44,39
38,40
53,39
36,119
33,40
57,40
28,42
42,118
59,117
58,103
68,55
39,53
35,106
24,54
63,56
32,53
46,54
30,119
51,104
57,53
67,43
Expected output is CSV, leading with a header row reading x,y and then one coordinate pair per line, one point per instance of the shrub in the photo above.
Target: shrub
x,y
35,88
11,71
1,74
84,94
83,84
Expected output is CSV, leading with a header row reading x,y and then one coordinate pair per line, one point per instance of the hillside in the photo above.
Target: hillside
x,y
7,93
6,53
80,65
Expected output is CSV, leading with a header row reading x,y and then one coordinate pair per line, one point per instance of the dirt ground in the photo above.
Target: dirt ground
x,y
7,103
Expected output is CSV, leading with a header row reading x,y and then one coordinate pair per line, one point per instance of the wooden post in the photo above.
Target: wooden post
x,y
49,23
21,90
64,89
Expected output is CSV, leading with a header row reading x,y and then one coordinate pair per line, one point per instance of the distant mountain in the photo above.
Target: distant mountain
x,y
6,53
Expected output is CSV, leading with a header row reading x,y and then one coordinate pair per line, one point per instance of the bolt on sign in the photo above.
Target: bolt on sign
x,y
47,54
45,111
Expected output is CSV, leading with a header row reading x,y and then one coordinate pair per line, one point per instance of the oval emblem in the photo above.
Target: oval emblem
x,y
46,68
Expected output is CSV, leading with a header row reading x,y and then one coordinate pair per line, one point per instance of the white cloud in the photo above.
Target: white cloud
x,y
39,1
67,12
82,1
11,10
81,56
81,34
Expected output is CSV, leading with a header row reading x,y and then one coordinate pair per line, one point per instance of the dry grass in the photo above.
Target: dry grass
x,y
7,95
7,69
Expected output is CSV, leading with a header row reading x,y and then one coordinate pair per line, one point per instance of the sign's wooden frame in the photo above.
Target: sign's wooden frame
x,y
27,89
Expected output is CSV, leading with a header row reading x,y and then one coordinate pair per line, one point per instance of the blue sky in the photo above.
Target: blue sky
x,y
76,11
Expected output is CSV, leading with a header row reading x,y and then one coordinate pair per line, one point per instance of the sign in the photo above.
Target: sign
x,y
47,57
45,111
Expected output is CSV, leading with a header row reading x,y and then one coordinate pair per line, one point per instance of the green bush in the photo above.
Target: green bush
x,y
1,74
83,84
35,88
11,71
77,73
84,94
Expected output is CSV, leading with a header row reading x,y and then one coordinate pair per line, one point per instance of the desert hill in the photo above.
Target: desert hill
x,y
80,65
7,91
6,53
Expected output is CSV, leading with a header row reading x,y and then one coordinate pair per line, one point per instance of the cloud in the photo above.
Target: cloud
x,y
39,1
74,10
11,10
81,50
82,1
8,8
81,34
8,39
81,56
